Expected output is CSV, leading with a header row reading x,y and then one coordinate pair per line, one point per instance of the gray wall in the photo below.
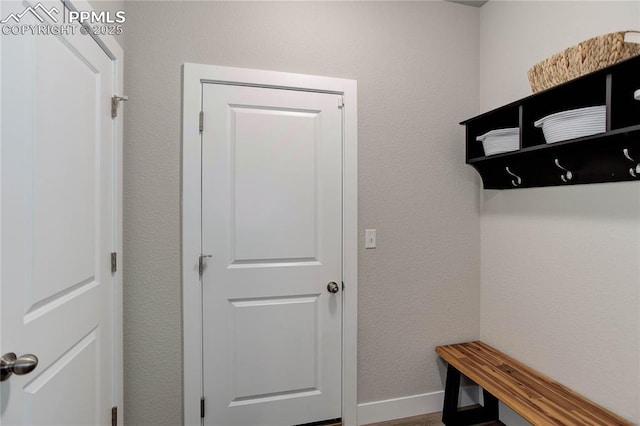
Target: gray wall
x,y
417,69
560,265
112,6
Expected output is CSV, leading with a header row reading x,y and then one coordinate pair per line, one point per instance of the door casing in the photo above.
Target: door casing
x,y
193,75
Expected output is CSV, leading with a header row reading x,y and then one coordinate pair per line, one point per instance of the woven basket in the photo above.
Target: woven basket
x,y
583,58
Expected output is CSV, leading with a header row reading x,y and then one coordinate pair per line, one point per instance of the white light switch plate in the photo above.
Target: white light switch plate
x,y
370,238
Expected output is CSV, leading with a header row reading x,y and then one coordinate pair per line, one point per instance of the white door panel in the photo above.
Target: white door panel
x,y
63,171
78,405
58,226
274,204
291,352
271,219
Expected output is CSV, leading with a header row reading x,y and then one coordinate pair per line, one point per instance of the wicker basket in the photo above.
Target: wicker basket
x,y
583,58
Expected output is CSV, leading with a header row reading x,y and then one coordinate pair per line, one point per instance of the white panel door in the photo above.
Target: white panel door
x,y
271,220
57,226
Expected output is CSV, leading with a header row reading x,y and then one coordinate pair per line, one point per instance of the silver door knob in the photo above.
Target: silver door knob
x,y
332,287
10,364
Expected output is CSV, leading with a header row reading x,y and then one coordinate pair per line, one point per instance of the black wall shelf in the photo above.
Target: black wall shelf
x,y
593,159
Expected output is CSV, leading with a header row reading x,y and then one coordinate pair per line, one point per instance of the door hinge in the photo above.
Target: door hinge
x,y
340,101
114,416
115,100
201,122
114,262
201,262
202,407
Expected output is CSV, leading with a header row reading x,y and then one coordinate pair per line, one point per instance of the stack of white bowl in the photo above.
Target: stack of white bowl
x,y
575,123
500,140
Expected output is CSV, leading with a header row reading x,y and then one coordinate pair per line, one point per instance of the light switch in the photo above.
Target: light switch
x,y
370,238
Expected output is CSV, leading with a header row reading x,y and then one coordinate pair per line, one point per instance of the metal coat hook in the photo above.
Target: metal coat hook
x,y
632,172
518,181
566,177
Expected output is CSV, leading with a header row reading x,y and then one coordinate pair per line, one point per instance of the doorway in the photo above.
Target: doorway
x,y
269,247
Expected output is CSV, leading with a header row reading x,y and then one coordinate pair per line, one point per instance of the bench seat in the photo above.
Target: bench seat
x,y
537,398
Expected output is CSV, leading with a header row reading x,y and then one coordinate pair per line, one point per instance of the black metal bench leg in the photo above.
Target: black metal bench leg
x,y
491,405
452,416
451,393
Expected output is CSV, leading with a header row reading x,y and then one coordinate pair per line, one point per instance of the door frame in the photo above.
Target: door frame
x,y
115,53
193,75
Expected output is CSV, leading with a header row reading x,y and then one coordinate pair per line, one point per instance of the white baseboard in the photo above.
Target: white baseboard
x,y
408,406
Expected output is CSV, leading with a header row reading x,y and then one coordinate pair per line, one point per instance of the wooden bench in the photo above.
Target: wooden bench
x,y
537,398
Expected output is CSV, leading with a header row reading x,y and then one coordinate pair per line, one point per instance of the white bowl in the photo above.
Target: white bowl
x,y
636,95
500,140
575,123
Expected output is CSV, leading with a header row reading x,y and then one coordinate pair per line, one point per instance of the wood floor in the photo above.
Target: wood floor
x,y
433,419
424,420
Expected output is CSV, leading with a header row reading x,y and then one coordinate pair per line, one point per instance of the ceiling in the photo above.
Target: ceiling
x,y
475,3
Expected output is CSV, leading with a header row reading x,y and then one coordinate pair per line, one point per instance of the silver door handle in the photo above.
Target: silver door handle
x,y
10,364
333,287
